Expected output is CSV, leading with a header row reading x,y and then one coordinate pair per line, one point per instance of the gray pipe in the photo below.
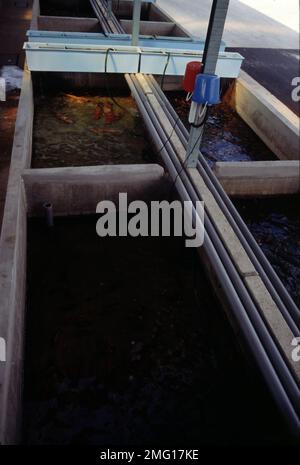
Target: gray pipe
x,y
225,281
104,20
273,283
286,375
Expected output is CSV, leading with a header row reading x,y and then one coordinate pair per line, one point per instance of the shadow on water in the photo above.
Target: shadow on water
x,y
126,344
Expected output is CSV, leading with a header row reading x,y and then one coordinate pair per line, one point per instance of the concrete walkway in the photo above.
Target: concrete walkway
x,y
286,13
274,69
245,27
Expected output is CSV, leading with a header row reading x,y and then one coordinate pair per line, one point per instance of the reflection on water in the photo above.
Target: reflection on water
x,y
275,224
226,136
75,129
126,345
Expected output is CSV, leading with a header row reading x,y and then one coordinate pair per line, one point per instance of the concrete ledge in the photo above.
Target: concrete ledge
x,y
13,272
76,191
259,178
67,24
270,119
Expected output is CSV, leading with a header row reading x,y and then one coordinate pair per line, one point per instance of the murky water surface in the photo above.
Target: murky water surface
x,y
79,129
275,224
226,136
127,345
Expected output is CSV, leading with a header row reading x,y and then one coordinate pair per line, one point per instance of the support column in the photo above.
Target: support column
x,y
210,57
136,22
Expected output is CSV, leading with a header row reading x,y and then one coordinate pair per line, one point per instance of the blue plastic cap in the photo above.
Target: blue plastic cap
x,y
207,89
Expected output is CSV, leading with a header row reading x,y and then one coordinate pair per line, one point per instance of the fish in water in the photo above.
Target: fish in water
x,y
98,113
110,115
100,131
64,118
77,99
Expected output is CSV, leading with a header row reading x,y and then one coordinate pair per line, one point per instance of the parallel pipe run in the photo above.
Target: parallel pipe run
x,y
274,285
109,24
289,381
280,382
258,339
236,279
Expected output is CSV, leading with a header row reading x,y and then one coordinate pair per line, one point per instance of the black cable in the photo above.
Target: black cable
x,y
107,85
164,73
191,151
169,137
140,62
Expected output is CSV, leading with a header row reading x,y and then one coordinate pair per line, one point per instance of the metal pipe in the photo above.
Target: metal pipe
x,y
210,57
235,277
229,290
101,11
269,276
285,373
233,287
48,208
136,22
214,35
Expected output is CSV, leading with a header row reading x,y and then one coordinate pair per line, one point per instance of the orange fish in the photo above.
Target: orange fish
x,y
98,112
100,131
64,118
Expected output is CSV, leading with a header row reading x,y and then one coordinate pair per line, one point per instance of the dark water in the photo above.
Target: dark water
x,y
275,224
122,349
86,129
226,136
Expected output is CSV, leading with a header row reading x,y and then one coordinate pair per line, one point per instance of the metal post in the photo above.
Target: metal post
x,y
136,22
210,58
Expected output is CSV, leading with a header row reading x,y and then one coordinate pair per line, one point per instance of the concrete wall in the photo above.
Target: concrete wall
x,y
76,191
270,119
72,191
13,272
66,24
154,28
258,178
